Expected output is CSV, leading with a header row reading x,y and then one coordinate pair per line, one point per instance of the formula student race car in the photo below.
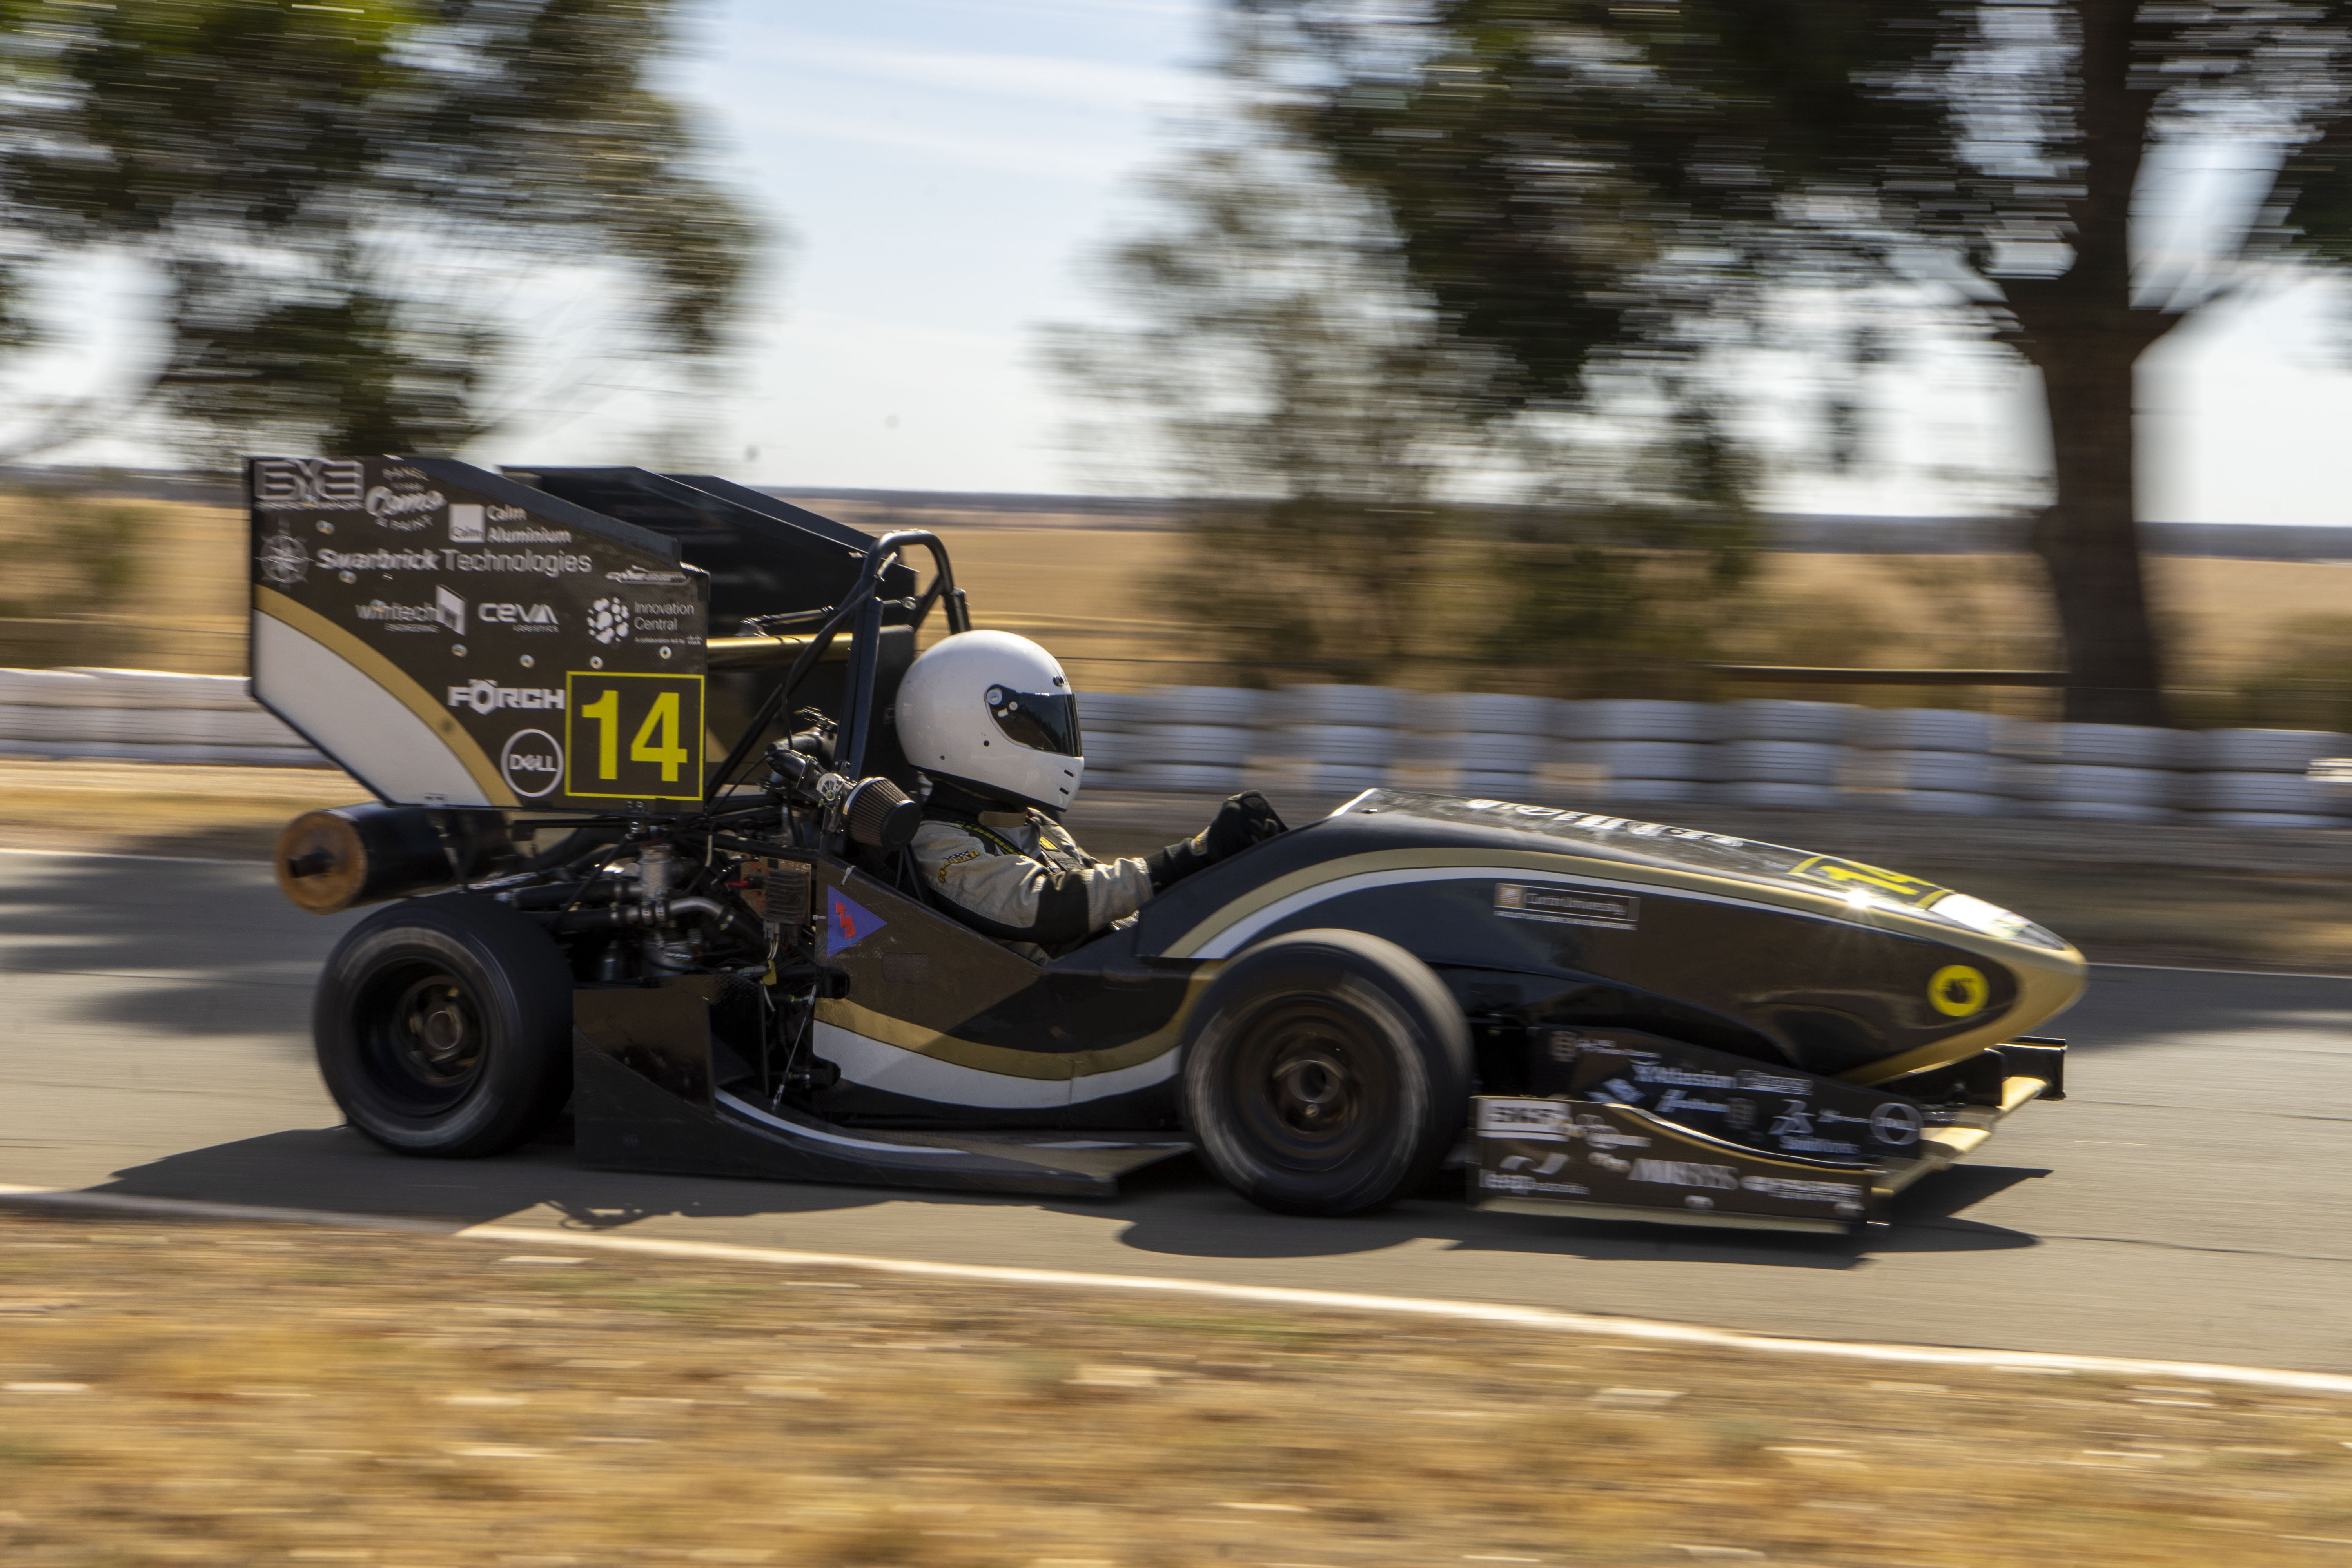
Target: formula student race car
x,y
660,875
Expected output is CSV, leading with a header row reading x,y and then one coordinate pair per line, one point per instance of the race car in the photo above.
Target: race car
x,y
659,875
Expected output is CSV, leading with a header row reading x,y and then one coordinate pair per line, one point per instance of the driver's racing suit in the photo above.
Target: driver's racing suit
x,y
1018,875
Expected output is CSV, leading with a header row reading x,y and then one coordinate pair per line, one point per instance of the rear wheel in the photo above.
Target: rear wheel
x,y
1327,1072
444,1027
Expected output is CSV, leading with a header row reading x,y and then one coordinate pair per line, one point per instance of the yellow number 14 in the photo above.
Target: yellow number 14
x,y
661,728
606,711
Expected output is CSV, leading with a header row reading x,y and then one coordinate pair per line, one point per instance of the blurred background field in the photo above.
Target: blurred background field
x,y
234,1395
131,581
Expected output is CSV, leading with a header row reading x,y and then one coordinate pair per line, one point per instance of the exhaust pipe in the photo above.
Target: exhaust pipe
x,y
329,861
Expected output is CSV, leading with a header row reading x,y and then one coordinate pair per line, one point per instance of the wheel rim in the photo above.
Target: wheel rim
x,y
1310,1082
424,1041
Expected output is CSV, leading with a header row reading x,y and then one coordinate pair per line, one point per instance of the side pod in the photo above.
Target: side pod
x,y
646,1096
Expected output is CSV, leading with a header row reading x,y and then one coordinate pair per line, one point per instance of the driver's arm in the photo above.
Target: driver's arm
x,y
1015,898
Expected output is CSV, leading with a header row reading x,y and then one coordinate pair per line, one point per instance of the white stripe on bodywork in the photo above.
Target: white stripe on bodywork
x,y
800,1130
1227,942
876,1065
367,729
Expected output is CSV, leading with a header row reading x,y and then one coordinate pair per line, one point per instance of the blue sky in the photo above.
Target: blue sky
x,y
945,169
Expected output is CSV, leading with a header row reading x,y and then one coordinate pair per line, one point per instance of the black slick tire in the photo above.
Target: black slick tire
x,y
444,1027
1326,1072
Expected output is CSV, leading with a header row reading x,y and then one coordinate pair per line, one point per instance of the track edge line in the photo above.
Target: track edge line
x,y
1495,1314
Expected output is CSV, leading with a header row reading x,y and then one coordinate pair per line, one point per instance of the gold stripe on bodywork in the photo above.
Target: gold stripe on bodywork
x,y
392,678
1004,1060
1472,862
2047,979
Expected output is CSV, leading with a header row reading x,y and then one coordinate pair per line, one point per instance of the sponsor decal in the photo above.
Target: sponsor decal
x,y
608,619
1522,1118
1618,1089
1598,823
640,576
1792,1121
517,617
308,484
845,923
664,623
1566,906
546,565
1551,1165
446,610
1800,1191
1678,1100
283,560
488,697
502,525
1687,1078
532,761
1819,1146
1687,1173
1740,1115
1897,1123
471,524
380,560
1521,1183
1566,1045
1959,991
1771,1083
403,511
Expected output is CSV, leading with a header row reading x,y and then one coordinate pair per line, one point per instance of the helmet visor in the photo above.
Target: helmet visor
x,y
1042,721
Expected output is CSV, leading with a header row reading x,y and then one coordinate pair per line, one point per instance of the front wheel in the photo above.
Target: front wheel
x,y
444,1027
1326,1072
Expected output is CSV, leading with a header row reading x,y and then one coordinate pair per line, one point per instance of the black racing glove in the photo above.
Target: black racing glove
x,y
1241,821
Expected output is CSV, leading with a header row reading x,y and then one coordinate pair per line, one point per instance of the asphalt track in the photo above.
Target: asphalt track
x,y
2192,1201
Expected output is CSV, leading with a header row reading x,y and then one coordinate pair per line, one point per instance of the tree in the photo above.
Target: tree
x,y
1351,519
1570,179
1283,380
335,196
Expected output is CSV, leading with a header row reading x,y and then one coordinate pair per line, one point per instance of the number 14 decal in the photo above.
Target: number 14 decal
x,y
660,718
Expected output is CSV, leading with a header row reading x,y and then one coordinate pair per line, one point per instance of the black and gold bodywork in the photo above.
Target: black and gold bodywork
x,y
1667,1023
1787,1039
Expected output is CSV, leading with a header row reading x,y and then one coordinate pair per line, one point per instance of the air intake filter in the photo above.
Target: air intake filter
x,y
879,816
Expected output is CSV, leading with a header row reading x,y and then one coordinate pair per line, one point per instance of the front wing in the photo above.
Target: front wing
x,y
1591,1156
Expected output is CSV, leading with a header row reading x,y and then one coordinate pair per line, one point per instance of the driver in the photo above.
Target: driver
x,y
992,722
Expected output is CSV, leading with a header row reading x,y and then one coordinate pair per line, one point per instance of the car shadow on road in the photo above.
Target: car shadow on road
x,y
1174,1210
1198,1218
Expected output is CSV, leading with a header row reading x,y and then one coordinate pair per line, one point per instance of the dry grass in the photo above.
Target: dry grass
x,y
147,808
246,1396
1088,591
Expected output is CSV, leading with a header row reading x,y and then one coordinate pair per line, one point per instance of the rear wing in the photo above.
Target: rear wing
x,y
452,636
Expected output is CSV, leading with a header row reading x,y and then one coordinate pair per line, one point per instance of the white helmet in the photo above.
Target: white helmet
x,y
993,710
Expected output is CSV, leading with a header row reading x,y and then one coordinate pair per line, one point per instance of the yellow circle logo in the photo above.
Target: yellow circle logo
x,y
1957,991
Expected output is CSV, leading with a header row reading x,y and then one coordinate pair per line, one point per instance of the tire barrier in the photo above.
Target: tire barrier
x,y
1934,760
1339,740
2096,772
2261,778
143,716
